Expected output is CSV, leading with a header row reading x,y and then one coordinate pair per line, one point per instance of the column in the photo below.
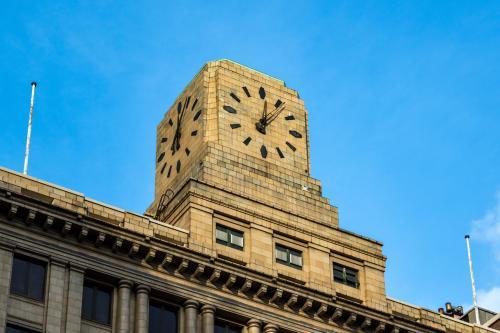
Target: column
x,y
123,314
142,308
271,328
190,315
55,302
207,318
253,326
75,298
6,258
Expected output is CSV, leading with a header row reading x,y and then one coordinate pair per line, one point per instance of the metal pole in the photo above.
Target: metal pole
x,y
28,137
474,300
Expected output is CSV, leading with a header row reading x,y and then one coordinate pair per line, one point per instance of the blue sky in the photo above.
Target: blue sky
x,y
403,100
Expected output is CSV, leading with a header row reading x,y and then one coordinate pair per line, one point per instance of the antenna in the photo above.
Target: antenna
x,y
474,300
28,137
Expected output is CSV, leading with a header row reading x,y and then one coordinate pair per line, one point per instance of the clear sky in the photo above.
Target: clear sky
x,y
403,100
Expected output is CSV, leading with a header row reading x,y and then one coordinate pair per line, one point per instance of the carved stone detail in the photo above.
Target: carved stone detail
x,y
100,239
30,217
278,293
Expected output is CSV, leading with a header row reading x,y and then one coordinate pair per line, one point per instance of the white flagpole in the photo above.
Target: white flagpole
x,y
474,300
28,137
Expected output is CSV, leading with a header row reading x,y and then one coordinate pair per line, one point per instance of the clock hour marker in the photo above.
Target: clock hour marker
x,y
290,117
178,166
245,89
233,126
197,115
247,141
278,103
186,104
236,98
163,168
162,155
295,134
179,107
280,153
169,171
262,93
193,133
187,152
229,109
163,140
263,151
292,147
170,122
194,104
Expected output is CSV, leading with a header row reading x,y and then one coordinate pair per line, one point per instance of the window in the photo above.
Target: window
x,y
16,329
345,275
229,237
162,318
222,327
96,303
288,256
28,278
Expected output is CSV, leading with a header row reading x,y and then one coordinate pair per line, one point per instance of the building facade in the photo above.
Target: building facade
x,y
238,237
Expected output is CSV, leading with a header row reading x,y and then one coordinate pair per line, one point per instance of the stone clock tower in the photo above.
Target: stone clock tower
x,y
244,131
233,151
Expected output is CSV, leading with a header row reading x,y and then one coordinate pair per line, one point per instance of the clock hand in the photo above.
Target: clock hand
x,y
176,144
275,113
261,124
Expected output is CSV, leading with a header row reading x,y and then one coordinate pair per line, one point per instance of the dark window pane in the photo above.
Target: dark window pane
x,y
36,281
87,302
219,328
102,305
17,329
19,273
154,319
162,319
169,321
96,305
345,275
222,327
28,278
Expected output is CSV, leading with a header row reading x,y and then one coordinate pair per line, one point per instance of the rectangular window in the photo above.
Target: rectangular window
x,y
345,275
223,327
16,329
162,318
28,278
229,237
96,303
287,256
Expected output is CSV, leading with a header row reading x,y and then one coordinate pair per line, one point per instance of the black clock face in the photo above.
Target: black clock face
x,y
183,123
271,114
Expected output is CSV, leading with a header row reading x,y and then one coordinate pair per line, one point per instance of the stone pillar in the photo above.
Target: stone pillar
x,y
123,314
207,318
142,309
190,316
55,296
6,258
75,297
253,326
271,328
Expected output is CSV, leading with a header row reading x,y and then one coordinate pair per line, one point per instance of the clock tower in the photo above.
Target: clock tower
x,y
232,160
244,131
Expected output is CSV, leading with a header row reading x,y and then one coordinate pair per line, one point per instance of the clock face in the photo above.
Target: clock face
x,y
178,135
262,123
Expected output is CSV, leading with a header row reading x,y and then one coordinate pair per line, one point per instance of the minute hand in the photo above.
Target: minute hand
x,y
275,113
